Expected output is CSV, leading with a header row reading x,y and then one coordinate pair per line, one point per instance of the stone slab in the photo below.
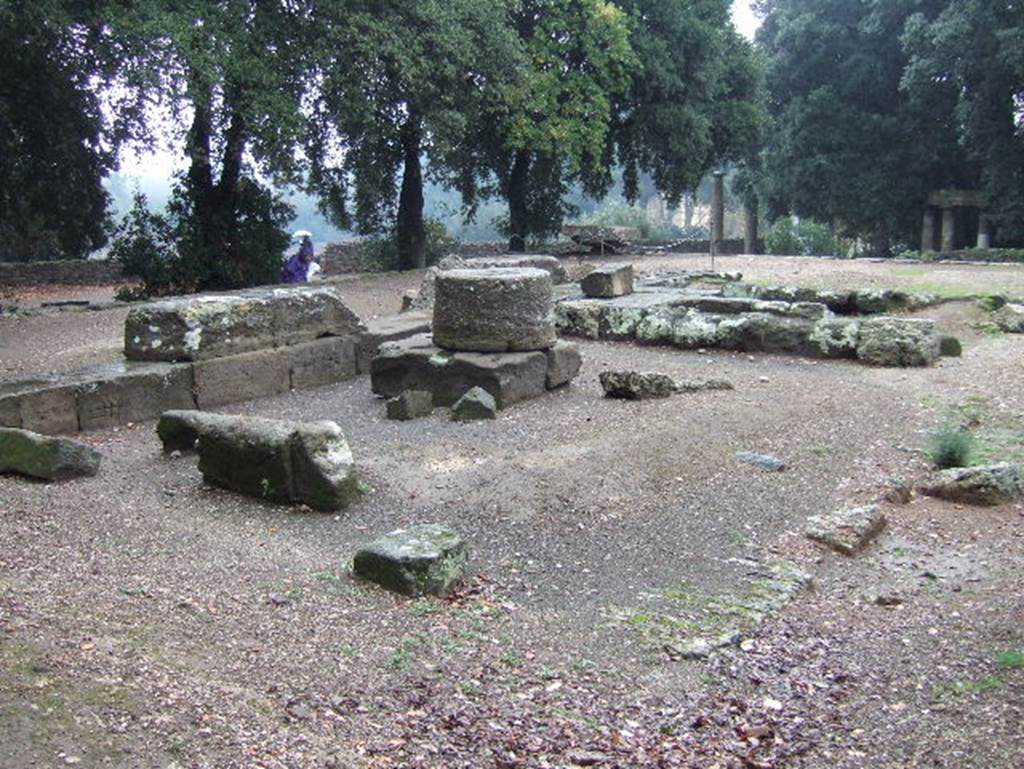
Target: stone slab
x,y
51,409
417,364
45,457
323,362
847,531
427,559
133,393
390,329
241,377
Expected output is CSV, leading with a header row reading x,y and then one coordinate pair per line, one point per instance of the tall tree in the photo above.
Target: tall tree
x,y
55,147
399,82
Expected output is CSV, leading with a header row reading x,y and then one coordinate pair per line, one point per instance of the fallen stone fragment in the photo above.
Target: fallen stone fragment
x,y
847,531
476,404
411,404
44,457
898,492
766,461
988,485
707,384
1010,318
286,462
564,362
608,281
426,559
494,310
898,342
383,330
950,347
636,385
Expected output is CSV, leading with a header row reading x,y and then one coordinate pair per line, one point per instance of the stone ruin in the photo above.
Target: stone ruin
x,y
493,328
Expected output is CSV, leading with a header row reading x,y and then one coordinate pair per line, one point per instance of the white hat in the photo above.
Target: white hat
x,y
299,234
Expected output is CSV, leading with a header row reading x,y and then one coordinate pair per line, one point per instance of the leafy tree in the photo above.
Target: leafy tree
x,y
400,81
971,56
54,147
849,145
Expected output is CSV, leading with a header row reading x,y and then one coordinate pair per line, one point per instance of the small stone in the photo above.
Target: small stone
x,y
1010,318
411,404
608,281
898,492
426,559
847,531
279,600
888,599
766,461
636,385
476,404
45,457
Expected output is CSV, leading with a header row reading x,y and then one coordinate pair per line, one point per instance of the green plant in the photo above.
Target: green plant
x,y
806,237
380,253
950,446
1011,660
623,215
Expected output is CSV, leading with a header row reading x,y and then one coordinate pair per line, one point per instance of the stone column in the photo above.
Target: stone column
x,y
717,212
984,233
948,230
928,230
750,227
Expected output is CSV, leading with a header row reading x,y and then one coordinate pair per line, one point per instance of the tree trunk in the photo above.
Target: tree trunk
x,y
518,205
411,231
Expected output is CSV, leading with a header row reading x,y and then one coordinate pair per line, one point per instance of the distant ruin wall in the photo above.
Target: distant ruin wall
x,y
71,272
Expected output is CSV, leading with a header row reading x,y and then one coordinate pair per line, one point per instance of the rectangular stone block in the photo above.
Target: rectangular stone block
x,y
608,281
10,411
323,362
51,410
391,329
134,393
241,378
416,364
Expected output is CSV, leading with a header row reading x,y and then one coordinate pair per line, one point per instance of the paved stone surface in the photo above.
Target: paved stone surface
x,y
495,310
45,457
847,531
427,559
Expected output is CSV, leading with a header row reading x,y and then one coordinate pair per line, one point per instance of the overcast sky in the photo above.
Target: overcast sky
x,y
745,20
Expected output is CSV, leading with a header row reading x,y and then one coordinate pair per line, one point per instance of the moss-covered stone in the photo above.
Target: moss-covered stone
x,y
426,559
44,457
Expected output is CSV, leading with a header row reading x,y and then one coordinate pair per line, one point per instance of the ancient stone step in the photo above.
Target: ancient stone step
x,y
494,310
389,329
217,325
426,559
45,457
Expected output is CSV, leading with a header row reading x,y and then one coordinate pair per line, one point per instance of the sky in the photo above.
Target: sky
x,y
744,18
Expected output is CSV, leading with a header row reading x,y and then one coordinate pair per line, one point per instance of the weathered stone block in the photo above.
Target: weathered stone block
x,y
416,364
217,325
474,405
608,281
847,531
390,329
323,362
51,409
51,459
495,310
636,385
10,411
1010,318
241,377
899,342
120,394
564,363
835,338
411,404
988,485
427,559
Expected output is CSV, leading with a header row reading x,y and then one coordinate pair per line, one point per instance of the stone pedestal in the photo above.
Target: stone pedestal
x,y
717,212
984,234
928,230
948,230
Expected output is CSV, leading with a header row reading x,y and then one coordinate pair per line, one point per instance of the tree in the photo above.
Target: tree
x,y
849,145
54,144
397,82
971,55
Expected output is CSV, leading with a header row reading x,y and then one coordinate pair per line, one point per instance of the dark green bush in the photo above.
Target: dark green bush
x,y
380,254
951,446
788,237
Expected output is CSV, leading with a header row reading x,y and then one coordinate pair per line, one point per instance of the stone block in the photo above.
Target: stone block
x,y
636,385
416,364
494,310
390,329
847,531
241,377
987,485
764,461
902,342
133,393
411,404
608,281
323,362
474,405
218,325
427,559
10,411
44,457
950,347
50,409
564,363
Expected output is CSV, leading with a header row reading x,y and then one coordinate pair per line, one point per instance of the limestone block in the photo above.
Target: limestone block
x,y
323,362
847,531
133,393
636,385
50,409
47,458
217,325
900,342
608,281
427,559
988,485
494,310
411,404
474,405
241,377
564,363
390,329
416,364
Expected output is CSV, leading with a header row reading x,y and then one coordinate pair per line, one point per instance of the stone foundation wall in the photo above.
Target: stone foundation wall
x,y
730,247
72,272
347,257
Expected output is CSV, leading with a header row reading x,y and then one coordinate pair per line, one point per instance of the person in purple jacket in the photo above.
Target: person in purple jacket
x,y
296,269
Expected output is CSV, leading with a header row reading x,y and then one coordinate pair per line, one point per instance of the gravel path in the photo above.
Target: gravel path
x,y
149,621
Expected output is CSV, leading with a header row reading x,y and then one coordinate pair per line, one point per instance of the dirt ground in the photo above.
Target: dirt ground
x,y
149,621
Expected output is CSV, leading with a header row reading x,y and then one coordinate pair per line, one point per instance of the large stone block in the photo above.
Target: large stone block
x,y
417,364
495,310
217,325
132,393
564,363
427,559
899,342
323,362
242,377
285,462
50,409
47,458
608,281
390,329
987,485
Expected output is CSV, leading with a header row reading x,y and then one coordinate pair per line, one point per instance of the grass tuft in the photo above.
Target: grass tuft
x,y
951,446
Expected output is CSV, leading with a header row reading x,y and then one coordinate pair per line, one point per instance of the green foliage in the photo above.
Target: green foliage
x,y
950,446
1011,660
624,215
790,237
381,254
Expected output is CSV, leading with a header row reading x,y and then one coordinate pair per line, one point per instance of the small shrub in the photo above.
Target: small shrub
x,y
623,215
380,254
789,237
951,446
1011,660
781,239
